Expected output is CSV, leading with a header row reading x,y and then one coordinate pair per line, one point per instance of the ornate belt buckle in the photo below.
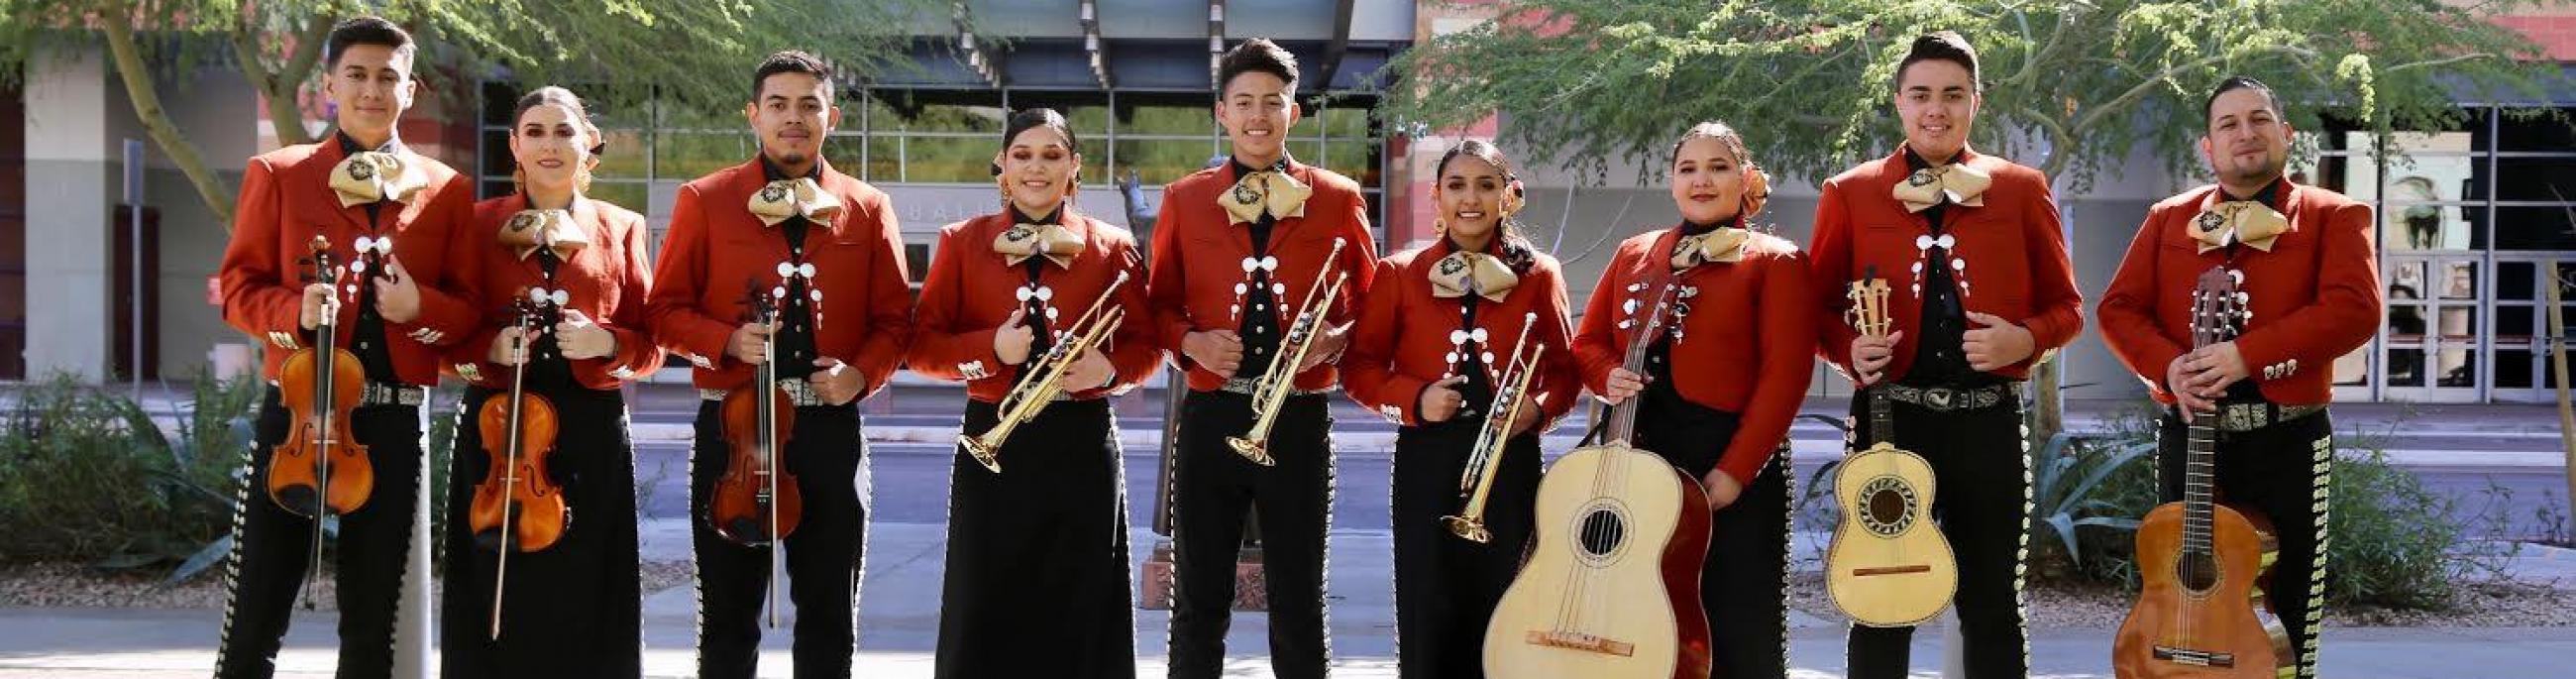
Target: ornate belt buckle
x,y
1938,397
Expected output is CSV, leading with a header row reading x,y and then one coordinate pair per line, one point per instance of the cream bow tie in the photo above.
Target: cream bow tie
x,y
1957,183
788,198
1269,191
2241,221
1056,243
1461,273
1723,244
550,229
375,176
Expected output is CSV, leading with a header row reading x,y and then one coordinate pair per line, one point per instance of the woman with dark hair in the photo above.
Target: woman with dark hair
x,y
577,264
1432,346
1037,518
1723,377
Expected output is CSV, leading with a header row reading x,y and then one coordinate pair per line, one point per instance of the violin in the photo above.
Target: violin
x,y
320,469
518,506
756,501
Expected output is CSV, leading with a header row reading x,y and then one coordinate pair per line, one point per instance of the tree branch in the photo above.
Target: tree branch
x,y
2433,63
119,26
2149,84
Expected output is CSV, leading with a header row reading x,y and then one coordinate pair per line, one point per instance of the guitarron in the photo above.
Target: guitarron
x,y
1611,587
1889,565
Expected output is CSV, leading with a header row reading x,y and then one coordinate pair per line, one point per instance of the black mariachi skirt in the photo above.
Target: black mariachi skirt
x,y
1446,587
1037,555
571,610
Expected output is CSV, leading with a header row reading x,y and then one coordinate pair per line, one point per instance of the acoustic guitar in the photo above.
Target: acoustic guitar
x,y
2198,615
1889,565
1611,586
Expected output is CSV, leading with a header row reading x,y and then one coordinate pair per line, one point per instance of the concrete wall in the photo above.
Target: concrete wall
x,y
78,117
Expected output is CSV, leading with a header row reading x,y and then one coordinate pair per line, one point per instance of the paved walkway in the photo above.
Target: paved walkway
x,y
899,619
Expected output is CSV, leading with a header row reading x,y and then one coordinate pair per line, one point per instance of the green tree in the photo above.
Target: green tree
x,y
2071,87
697,52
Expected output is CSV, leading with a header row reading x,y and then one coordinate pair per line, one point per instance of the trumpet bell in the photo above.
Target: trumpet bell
x,y
1471,529
986,455
1251,450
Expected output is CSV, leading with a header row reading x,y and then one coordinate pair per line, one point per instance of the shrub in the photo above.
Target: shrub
x,y
86,476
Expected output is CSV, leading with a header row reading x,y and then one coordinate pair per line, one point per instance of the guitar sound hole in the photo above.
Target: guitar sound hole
x,y
1602,531
2196,572
1887,506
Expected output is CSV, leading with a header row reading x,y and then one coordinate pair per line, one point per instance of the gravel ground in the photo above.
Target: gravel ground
x,y
62,585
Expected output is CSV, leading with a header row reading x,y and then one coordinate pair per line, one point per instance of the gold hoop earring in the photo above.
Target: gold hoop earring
x,y
1003,187
1440,226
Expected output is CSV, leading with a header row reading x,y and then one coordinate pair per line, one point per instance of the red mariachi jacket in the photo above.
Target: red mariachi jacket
x,y
1402,342
286,199
971,290
1198,255
2314,296
1748,340
716,246
607,281
2018,267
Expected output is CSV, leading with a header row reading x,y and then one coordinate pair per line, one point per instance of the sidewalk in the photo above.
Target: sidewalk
x,y
2412,435
899,615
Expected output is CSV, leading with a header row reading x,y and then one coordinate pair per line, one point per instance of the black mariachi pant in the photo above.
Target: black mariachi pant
x,y
1036,584
1981,461
1744,581
1213,487
823,556
272,548
573,609
1446,586
2282,472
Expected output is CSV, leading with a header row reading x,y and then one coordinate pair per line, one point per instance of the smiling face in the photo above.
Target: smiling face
x,y
1708,181
1470,197
2248,143
1937,101
370,87
552,145
1038,170
792,114
1257,111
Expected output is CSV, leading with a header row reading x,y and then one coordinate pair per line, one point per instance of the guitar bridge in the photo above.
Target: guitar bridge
x,y
2195,658
1891,570
1579,641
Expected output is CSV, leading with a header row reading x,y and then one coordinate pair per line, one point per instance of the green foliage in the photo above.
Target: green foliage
x,y
2071,87
2087,497
2392,542
86,476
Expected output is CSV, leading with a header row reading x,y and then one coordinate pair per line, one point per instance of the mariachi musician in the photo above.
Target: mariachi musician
x,y
1447,328
1980,290
2310,279
385,214
1028,306
562,280
818,250
1722,380
1256,260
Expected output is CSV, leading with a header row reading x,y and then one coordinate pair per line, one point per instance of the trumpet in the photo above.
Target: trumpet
x,y
1476,482
1044,379
1281,377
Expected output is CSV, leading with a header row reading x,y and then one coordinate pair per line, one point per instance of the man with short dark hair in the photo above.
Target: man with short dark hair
x,y
1980,291
1239,248
788,228
2308,276
388,215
